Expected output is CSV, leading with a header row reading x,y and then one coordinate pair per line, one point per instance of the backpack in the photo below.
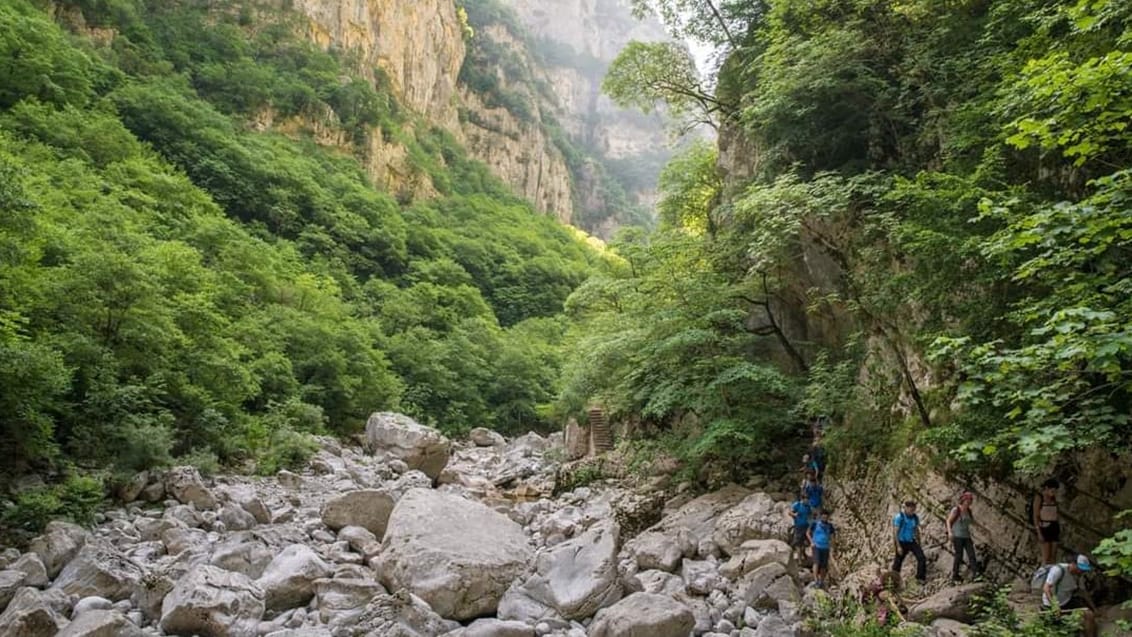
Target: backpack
x,y
1038,579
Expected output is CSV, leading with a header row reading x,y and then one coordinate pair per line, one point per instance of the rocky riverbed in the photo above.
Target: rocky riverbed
x,y
413,535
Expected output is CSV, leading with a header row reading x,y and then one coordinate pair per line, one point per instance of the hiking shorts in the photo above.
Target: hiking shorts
x,y
1050,532
1074,603
821,558
798,538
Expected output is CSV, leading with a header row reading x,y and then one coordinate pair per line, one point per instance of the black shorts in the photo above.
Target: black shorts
x,y
1073,604
821,558
1050,532
798,537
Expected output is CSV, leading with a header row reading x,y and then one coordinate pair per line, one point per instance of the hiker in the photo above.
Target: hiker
x,y
1046,520
906,538
813,490
817,458
884,593
1058,591
820,536
800,511
959,522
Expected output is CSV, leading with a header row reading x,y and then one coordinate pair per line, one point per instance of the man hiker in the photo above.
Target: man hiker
x,y
813,490
906,538
821,539
959,522
883,593
1058,592
1046,520
800,511
817,458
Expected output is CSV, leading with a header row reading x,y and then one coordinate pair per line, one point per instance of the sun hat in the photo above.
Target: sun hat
x,y
1083,563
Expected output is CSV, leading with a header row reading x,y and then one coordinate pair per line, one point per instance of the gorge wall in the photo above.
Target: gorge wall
x,y
518,84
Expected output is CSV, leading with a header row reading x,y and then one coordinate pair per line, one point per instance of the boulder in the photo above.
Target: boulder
x,y
131,489
10,582
211,602
399,436
655,581
484,437
655,550
701,577
950,603
35,573
360,540
247,557
577,440
458,555
773,626
577,577
34,613
401,614
185,485
490,627
367,508
59,543
235,518
341,600
757,517
288,581
101,623
245,497
644,615
754,554
93,602
949,628
754,584
99,569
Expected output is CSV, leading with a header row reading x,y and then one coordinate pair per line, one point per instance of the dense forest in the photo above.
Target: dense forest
x,y
940,190
179,285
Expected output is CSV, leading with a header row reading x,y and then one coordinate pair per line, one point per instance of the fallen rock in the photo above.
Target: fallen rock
x,y
35,573
484,437
342,600
235,518
212,602
950,603
248,557
644,615
456,554
59,544
754,554
655,550
34,613
949,628
757,517
360,540
288,581
399,436
401,614
701,577
186,486
367,508
491,627
578,577
99,569
245,497
93,602
101,623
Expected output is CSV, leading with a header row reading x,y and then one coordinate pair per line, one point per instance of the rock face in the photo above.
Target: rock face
x,y
212,602
398,436
365,508
457,555
644,615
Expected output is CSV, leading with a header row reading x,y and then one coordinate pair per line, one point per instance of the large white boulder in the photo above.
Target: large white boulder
x,y
59,543
644,615
367,508
655,550
341,600
757,517
288,581
99,569
211,602
101,623
484,437
186,486
576,578
399,436
456,554
753,554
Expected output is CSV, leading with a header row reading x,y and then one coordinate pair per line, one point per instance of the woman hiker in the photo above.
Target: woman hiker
x,y
959,521
1046,520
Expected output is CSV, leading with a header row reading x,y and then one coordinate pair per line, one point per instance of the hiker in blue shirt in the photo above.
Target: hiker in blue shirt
x,y
813,491
800,511
821,539
906,538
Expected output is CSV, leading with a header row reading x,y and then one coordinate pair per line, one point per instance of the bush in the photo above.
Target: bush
x,y
77,498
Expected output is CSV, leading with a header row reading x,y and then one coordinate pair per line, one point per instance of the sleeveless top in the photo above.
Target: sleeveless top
x,y
962,525
1047,512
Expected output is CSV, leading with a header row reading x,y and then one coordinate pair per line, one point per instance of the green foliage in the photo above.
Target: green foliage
x,y
75,498
650,75
997,618
846,617
181,288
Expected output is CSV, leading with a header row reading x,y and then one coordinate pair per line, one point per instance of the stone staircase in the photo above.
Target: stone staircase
x,y
600,434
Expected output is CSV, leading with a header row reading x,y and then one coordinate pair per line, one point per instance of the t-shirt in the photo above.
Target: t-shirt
x,y
822,532
962,526
907,525
813,493
802,514
1063,583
